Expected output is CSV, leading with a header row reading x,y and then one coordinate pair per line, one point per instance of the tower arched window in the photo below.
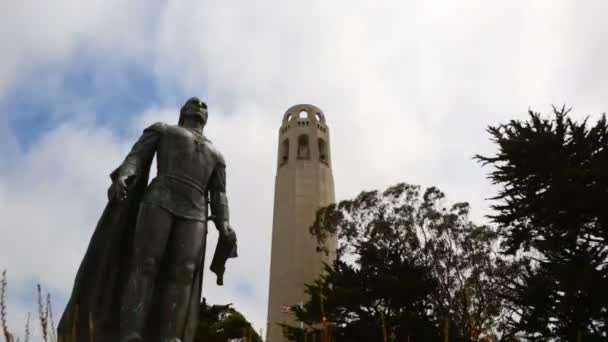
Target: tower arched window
x,y
303,147
322,151
284,152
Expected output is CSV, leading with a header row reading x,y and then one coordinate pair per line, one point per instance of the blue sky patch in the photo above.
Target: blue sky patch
x,y
87,91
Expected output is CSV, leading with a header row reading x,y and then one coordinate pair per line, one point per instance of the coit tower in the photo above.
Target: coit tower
x,y
303,184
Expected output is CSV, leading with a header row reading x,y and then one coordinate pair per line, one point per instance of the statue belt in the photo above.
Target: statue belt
x,y
184,180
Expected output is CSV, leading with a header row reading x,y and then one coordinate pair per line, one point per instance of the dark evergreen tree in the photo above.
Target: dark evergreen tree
x,y
222,323
407,269
552,211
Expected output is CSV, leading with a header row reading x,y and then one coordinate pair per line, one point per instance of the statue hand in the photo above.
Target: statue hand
x,y
118,189
226,230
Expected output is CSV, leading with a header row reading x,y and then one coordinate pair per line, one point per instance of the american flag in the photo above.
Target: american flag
x,y
286,309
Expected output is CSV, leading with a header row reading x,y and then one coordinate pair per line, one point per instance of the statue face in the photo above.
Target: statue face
x,y
196,108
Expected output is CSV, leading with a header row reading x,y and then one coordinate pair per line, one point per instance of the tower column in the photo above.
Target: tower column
x,y
303,184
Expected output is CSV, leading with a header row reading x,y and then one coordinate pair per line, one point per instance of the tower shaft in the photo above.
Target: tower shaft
x,y
304,183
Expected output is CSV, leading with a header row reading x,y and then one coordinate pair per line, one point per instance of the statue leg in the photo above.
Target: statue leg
x,y
184,253
151,236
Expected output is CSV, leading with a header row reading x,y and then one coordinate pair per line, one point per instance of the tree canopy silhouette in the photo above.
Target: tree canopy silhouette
x,y
552,213
408,268
223,323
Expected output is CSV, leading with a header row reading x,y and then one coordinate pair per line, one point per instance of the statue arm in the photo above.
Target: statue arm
x,y
218,200
141,153
226,243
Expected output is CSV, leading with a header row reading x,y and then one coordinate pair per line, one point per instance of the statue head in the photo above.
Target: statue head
x,y
194,108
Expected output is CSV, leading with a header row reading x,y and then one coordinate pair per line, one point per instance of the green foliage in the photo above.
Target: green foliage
x,y
407,268
553,218
222,323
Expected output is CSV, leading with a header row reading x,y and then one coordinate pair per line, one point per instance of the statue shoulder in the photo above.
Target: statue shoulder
x,y
159,127
219,157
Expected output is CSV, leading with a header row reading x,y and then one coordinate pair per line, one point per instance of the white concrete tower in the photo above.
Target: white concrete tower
x,y
303,184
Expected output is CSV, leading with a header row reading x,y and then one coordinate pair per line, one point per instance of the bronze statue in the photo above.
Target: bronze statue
x,y
141,277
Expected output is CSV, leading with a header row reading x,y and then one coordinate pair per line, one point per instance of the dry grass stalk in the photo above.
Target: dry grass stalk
x,y
7,335
91,328
27,328
43,315
49,315
74,322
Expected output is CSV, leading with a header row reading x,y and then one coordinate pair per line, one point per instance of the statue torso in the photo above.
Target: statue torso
x,y
185,162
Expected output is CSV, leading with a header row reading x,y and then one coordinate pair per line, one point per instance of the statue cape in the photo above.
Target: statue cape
x,y
93,310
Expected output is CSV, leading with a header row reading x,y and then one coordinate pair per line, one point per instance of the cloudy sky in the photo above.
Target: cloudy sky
x,y
407,87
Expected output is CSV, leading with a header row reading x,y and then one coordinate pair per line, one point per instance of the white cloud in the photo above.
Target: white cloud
x,y
407,87
51,198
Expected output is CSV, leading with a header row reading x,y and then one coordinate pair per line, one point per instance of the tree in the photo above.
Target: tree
x,y
408,268
552,211
222,323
